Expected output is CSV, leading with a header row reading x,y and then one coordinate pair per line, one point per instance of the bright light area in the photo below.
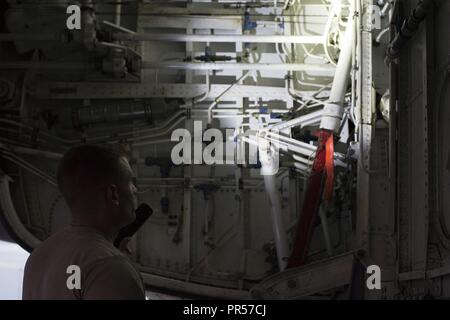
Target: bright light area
x,y
12,263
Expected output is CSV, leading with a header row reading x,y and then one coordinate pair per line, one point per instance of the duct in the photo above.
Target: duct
x,y
334,109
27,239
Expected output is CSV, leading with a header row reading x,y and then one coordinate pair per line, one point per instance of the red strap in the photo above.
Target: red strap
x,y
329,169
313,196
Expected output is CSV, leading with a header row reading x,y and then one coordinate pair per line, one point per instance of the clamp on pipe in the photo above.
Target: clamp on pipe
x,y
332,116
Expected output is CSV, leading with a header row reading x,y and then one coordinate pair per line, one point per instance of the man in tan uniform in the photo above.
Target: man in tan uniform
x,y
97,184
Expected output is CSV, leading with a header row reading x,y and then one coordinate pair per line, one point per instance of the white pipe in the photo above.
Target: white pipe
x,y
27,166
301,167
238,66
294,94
313,99
208,89
201,98
226,116
326,231
381,34
353,78
334,109
292,142
117,27
307,119
298,31
32,152
288,89
310,84
217,100
302,160
385,9
277,49
29,37
176,65
287,146
277,221
358,59
161,133
335,6
118,12
302,83
124,135
162,126
151,142
171,37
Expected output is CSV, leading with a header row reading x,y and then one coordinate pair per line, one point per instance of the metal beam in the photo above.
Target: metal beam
x,y
173,65
238,66
308,280
172,37
226,23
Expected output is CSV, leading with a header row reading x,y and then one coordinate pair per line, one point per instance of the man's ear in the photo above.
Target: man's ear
x,y
112,194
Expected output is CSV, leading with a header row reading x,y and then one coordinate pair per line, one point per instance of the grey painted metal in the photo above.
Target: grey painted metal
x,y
365,106
307,280
413,157
165,283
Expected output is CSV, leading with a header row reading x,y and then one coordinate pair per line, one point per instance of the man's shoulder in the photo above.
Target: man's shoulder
x,y
47,247
104,270
114,263
74,246
89,248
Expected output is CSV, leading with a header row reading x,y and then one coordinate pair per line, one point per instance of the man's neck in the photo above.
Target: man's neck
x,y
105,229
